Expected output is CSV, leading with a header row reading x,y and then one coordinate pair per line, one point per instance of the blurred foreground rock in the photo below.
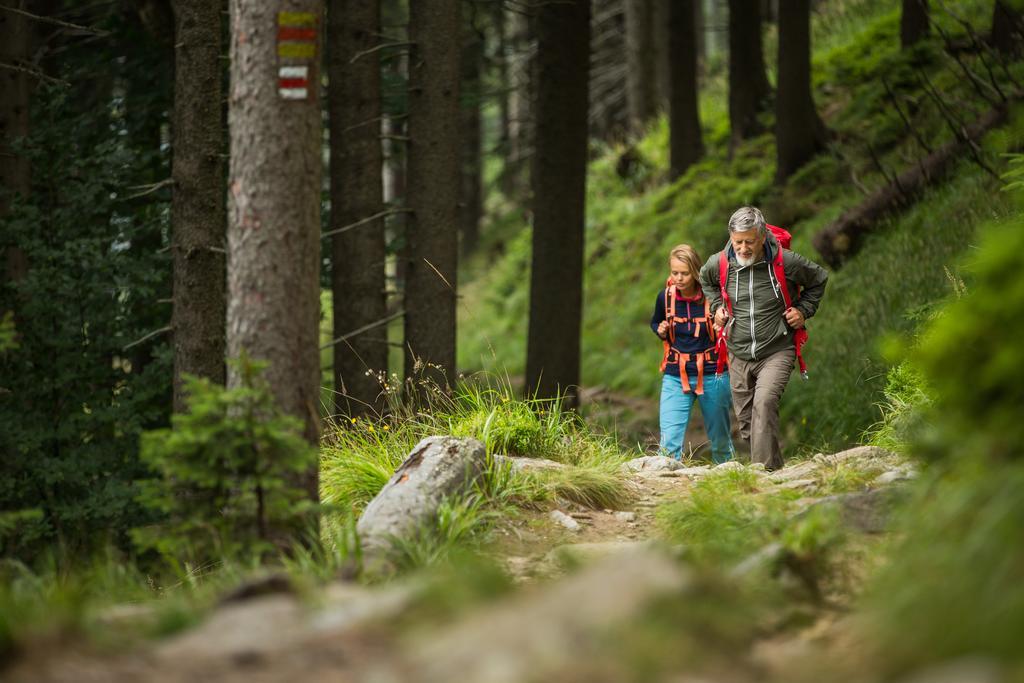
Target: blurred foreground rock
x,y
538,635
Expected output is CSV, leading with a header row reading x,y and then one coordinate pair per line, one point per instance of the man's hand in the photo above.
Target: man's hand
x,y
794,318
721,317
663,329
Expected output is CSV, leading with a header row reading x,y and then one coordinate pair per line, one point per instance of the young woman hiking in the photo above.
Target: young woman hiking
x,y
689,361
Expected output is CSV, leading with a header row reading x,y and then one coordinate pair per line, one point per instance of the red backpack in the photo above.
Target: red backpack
x,y
799,336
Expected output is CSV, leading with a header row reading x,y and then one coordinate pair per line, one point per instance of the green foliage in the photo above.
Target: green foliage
x,y
723,520
727,518
953,584
843,477
47,603
906,398
8,335
981,398
227,473
76,391
952,587
461,523
360,455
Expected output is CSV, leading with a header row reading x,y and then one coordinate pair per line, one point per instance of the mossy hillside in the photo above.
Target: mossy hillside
x,y
632,223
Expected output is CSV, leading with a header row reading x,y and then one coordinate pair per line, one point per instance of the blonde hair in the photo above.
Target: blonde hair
x,y
688,255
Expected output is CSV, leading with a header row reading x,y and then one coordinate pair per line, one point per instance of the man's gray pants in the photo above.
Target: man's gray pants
x,y
757,387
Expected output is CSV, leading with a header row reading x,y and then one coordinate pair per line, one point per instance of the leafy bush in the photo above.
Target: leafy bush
x,y
953,584
906,399
227,473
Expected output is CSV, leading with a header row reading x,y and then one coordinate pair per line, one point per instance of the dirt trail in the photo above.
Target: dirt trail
x,y
551,622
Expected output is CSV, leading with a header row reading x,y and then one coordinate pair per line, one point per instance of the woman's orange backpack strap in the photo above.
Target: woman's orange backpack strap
x,y
670,314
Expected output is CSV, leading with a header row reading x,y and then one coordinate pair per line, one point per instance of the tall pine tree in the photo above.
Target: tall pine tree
x,y
433,189
559,188
274,201
358,250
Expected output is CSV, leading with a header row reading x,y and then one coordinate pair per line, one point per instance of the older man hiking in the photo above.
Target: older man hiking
x,y
750,303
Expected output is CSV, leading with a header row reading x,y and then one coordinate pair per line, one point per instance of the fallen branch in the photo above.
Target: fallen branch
x,y
149,336
381,46
842,238
55,22
35,74
149,189
364,328
364,221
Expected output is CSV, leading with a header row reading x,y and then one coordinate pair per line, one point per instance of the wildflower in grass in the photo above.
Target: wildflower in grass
x,y
371,429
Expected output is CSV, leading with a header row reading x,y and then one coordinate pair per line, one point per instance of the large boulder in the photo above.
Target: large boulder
x,y
438,467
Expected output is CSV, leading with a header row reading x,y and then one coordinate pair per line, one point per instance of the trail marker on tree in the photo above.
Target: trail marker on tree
x,y
296,49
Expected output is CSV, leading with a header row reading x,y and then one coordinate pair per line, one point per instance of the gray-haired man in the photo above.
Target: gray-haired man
x,y
760,329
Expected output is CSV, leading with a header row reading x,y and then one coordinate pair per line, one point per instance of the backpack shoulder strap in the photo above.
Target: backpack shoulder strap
x,y
723,279
799,336
779,268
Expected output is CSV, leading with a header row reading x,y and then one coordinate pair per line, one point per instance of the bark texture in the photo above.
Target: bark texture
x,y
559,185
609,110
685,143
274,214
799,132
640,56
197,204
433,191
15,48
913,22
521,85
472,209
357,255
749,90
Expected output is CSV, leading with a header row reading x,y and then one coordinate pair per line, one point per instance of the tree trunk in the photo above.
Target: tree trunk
x,y
699,20
661,22
609,110
433,192
504,84
274,203
686,145
749,90
1007,28
197,203
640,76
15,48
799,132
715,27
472,58
913,22
357,256
559,187
521,85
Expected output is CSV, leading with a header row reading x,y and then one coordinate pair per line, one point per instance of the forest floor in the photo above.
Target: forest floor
x,y
575,585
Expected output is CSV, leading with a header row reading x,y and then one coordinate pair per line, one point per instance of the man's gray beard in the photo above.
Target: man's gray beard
x,y
744,262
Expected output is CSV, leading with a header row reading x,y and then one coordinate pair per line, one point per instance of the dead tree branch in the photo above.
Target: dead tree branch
x,y
364,221
842,238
